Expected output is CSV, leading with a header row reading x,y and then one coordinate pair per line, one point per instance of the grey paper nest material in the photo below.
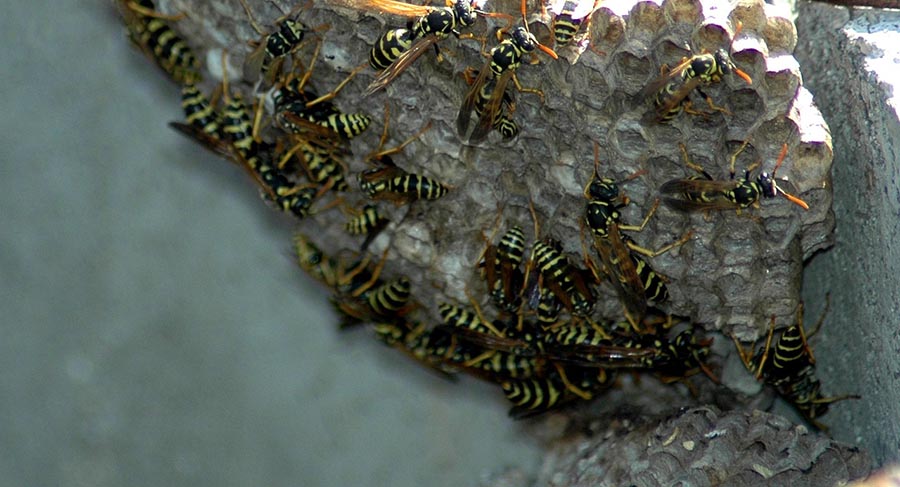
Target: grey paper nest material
x,y
703,447
732,275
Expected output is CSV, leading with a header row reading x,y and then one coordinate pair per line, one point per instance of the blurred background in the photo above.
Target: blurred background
x,y
155,330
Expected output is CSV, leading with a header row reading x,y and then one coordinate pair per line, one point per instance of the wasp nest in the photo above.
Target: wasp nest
x,y
736,270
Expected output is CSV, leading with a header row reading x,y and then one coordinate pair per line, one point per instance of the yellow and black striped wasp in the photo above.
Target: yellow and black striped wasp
x,y
389,182
233,136
398,48
503,61
359,293
271,50
634,280
569,283
318,132
150,32
292,94
789,367
705,193
416,341
670,92
503,122
567,18
560,385
367,221
500,266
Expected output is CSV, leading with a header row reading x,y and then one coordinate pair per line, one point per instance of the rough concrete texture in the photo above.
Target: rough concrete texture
x,y
153,328
702,447
849,60
733,274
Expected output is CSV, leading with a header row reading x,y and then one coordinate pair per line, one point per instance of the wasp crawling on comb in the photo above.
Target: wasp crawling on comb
x,y
788,366
670,93
150,32
705,193
500,67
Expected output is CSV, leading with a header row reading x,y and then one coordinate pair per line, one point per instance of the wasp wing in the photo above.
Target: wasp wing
x,y
400,64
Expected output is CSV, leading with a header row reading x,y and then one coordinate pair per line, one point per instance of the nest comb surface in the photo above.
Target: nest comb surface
x,y
702,446
734,273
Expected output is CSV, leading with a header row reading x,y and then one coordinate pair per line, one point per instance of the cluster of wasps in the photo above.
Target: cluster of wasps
x,y
542,347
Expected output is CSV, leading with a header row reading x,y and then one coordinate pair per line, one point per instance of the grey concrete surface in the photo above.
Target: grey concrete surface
x,y
849,60
154,330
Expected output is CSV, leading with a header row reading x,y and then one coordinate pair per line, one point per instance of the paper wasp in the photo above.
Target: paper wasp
x,y
391,183
415,341
366,222
670,92
789,367
567,18
274,45
503,121
150,32
503,61
560,385
567,282
293,96
397,49
704,193
236,140
384,301
198,112
500,268
632,277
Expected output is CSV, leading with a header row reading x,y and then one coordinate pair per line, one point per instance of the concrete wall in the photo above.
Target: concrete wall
x,y
849,61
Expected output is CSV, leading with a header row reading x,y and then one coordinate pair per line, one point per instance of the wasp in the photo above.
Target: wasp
x,y
500,264
236,141
390,46
416,341
503,61
560,386
319,132
352,280
547,306
198,111
150,32
564,280
503,122
557,274
567,18
670,91
388,300
632,277
359,293
274,45
397,49
789,367
592,347
293,96
704,193
286,195
491,335
391,183
367,222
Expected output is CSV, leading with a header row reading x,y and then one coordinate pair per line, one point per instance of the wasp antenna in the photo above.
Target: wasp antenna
x,y
548,51
743,75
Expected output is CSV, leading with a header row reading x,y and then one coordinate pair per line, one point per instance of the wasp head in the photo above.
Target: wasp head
x,y
724,65
522,39
465,12
767,185
603,189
